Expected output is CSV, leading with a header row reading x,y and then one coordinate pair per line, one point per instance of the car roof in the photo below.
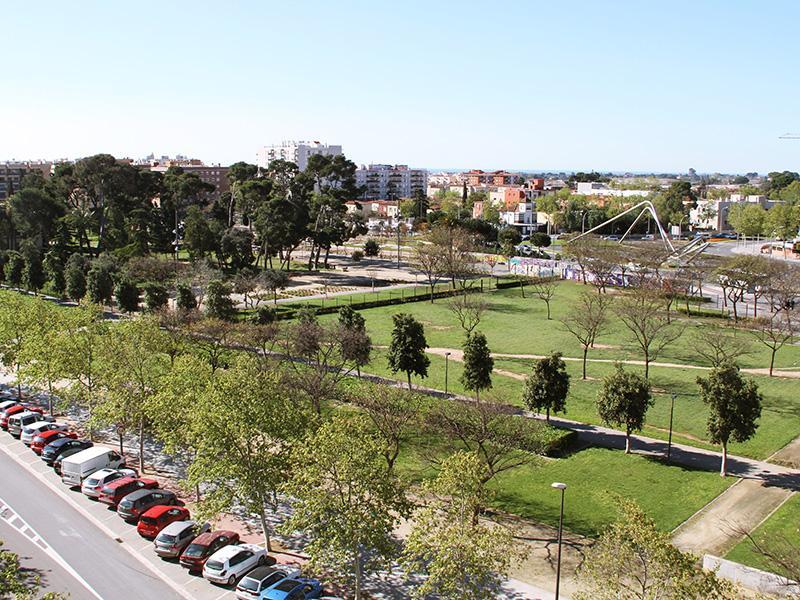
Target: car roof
x,y
61,441
102,473
23,414
38,424
52,432
139,494
204,539
177,527
158,510
260,573
227,551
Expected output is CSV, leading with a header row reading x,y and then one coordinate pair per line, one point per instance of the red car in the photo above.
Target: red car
x,y
44,438
113,492
158,517
17,408
204,545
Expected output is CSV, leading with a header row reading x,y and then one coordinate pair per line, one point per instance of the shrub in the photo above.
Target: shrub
x,y
75,276
184,299
265,315
540,240
218,301
357,255
155,296
127,293
99,284
371,248
13,268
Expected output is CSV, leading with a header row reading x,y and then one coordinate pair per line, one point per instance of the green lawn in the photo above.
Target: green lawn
x,y
782,527
514,325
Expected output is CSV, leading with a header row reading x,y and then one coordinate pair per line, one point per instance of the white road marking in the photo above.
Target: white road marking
x,y
10,516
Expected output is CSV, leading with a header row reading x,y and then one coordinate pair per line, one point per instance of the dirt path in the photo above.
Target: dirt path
x,y
717,527
458,355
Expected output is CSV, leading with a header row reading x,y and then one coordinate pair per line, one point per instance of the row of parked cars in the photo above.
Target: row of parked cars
x,y
102,475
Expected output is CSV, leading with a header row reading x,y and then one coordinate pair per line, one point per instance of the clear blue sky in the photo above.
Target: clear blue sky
x,y
524,85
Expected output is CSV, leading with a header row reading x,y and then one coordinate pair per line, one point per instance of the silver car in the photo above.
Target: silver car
x,y
175,537
31,431
17,422
92,485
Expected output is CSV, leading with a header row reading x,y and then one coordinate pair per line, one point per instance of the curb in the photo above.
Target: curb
x,y
86,514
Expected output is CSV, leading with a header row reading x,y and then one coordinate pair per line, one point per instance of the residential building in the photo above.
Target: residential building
x,y
477,177
12,173
216,175
296,152
593,188
386,182
713,214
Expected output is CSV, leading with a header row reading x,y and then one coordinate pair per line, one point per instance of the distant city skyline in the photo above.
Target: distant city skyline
x,y
539,86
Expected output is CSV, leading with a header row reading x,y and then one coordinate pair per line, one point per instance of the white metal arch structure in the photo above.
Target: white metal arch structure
x,y
689,252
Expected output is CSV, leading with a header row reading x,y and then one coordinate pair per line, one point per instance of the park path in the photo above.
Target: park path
x,y
719,526
457,354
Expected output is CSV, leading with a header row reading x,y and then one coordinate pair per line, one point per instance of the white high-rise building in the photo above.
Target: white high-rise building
x,y
384,182
296,152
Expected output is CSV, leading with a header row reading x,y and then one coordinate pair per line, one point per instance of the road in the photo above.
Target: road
x,y
108,570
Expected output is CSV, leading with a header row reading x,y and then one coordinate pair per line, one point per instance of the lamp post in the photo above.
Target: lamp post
x,y
562,487
584,214
671,412
446,357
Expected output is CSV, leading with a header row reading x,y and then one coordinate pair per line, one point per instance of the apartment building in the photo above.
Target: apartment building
x,y
713,215
216,175
12,173
296,152
391,182
476,177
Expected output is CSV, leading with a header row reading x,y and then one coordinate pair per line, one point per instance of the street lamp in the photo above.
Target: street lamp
x,y
584,214
562,487
446,357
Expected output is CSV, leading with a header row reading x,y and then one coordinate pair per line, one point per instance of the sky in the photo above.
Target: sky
x,y
529,85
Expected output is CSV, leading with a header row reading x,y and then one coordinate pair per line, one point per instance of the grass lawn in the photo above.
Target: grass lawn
x,y
669,494
514,325
783,526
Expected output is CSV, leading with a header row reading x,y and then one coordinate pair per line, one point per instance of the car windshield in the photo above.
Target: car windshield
x,y
214,565
126,504
166,538
194,550
249,584
92,482
286,586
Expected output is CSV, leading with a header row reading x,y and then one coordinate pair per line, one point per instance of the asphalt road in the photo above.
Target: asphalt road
x,y
109,571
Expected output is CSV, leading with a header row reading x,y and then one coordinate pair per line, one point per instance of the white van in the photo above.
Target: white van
x,y
75,468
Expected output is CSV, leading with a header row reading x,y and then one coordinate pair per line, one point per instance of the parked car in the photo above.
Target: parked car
x,y
79,466
648,237
175,537
14,409
135,504
54,450
31,431
204,545
48,437
262,578
112,493
96,481
20,420
7,404
294,589
228,564
153,520
612,238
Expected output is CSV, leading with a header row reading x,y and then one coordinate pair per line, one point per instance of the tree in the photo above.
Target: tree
x,y
75,275
127,293
407,348
642,312
454,245
100,284
586,320
372,248
345,499
132,362
623,401
782,221
155,296
54,271
197,235
246,423
35,214
355,343
634,560
394,413
540,240
547,386
478,364
17,328
218,302
23,583
32,273
236,246
735,407
275,280
429,261
13,269
747,219
468,309
774,331
42,353
462,559
545,288
720,348
509,238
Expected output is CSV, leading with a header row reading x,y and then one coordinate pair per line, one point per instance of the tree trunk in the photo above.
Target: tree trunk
x,y
646,365
547,414
265,529
772,360
358,570
547,302
119,434
723,471
408,374
627,441
585,351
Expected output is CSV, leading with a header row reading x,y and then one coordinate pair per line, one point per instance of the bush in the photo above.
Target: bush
x,y
99,284
265,315
184,299
371,248
540,240
32,273
75,275
218,301
155,296
127,293
13,268
54,269
357,255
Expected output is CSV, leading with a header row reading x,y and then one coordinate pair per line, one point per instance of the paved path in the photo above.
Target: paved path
x,y
718,526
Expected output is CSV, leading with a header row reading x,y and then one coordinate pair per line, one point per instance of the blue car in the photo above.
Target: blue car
x,y
293,589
